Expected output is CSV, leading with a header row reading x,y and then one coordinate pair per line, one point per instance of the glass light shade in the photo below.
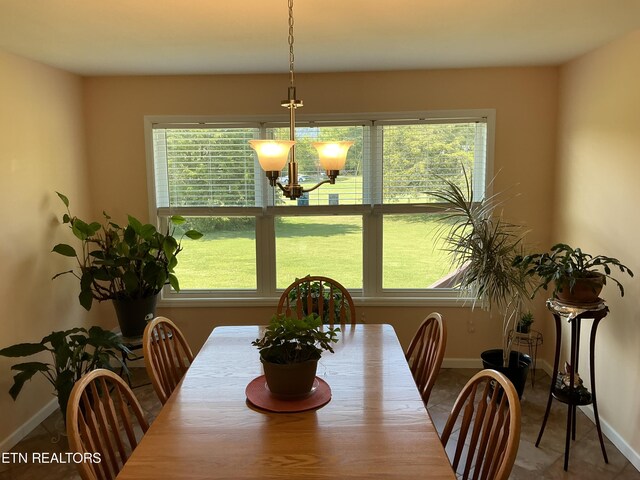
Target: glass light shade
x,y
272,154
332,155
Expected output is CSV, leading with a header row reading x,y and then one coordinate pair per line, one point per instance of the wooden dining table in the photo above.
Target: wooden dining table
x,y
374,426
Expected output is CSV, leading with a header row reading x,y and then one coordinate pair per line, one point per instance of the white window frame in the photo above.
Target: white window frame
x,y
372,292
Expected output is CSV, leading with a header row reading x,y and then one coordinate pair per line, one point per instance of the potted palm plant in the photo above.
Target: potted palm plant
x,y
483,248
73,352
577,277
128,265
289,351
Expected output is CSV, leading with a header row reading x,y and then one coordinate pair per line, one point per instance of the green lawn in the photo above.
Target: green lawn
x,y
330,246
411,251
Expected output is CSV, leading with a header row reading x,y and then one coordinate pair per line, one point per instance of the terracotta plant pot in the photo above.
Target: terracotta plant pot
x,y
294,380
585,291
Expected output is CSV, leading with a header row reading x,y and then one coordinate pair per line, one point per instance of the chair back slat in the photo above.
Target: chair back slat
x,y
88,441
96,430
494,439
308,295
321,310
167,356
500,447
488,411
123,412
100,419
425,353
105,429
92,438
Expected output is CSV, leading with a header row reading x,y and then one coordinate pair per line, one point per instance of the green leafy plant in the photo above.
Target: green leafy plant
x,y
291,340
130,262
524,322
313,289
563,265
74,352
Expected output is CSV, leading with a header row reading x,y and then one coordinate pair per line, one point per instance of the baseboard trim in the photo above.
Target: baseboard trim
x,y
477,363
614,437
27,427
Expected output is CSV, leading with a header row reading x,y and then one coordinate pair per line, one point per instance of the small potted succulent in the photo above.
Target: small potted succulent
x,y
289,351
524,322
577,277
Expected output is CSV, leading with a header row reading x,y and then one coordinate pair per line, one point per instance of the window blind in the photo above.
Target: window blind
x,y
205,167
348,189
415,157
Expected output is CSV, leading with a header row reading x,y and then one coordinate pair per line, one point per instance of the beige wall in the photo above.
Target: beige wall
x,y
598,197
48,114
525,100
41,150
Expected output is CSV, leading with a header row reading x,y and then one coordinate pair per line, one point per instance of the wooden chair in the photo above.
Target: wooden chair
x,y
303,296
167,355
489,428
425,353
99,421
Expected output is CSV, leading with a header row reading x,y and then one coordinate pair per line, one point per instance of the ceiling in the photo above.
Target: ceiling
x,y
138,37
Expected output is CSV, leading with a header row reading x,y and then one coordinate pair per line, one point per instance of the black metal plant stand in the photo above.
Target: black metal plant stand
x,y
532,340
572,395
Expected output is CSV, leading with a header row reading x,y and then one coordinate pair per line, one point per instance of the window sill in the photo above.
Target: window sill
x,y
444,300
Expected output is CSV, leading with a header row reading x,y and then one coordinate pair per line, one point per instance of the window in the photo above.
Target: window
x,y
375,230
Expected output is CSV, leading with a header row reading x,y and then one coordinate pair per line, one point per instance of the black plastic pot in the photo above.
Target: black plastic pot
x,y
133,314
517,371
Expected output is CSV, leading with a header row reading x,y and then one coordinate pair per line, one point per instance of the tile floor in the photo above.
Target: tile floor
x,y
542,463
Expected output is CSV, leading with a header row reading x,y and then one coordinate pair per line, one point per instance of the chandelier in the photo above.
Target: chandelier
x,y
273,154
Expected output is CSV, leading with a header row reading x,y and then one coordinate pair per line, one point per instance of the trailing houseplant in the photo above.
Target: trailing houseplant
x,y
292,346
483,248
126,264
576,276
73,352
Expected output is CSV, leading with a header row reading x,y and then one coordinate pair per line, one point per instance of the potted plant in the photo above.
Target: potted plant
x,y
524,322
577,277
312,289
289,351
483,248
128,265
74,352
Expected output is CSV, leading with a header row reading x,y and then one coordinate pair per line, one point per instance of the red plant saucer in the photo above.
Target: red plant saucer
x,y
259,395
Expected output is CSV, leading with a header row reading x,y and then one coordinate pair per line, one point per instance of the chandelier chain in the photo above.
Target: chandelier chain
x,y
273,155
291,56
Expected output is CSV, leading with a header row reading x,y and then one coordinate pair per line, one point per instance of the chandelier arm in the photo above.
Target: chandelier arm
x,y
306,190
